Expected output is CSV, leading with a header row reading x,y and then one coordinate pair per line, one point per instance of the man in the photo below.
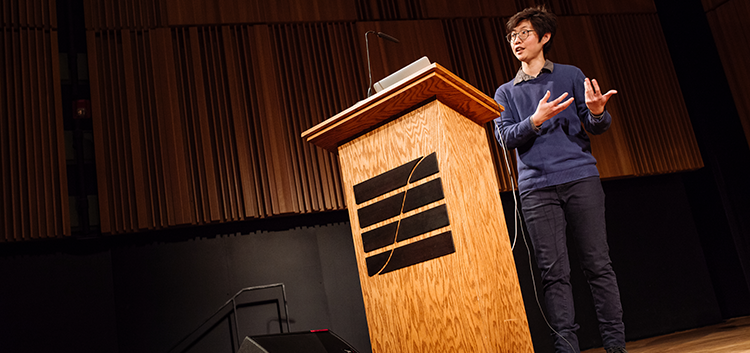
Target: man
x,y
557,176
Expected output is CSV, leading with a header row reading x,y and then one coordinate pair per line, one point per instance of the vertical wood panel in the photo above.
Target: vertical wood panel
x,y
93,42
236,37
731,32
177,199
315,85
653,101
253,179
242,154
278,161
32,154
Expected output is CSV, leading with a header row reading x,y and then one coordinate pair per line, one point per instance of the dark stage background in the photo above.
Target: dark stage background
x,y
147,294
679,240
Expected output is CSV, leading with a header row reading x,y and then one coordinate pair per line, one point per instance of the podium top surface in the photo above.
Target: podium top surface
x,y
433,82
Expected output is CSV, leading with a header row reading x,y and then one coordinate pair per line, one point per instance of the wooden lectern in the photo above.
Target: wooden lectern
x,y
432,246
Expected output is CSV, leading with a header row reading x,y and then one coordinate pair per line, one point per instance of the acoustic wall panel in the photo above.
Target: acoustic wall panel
x,y
728,21
200,124
34,192
639,66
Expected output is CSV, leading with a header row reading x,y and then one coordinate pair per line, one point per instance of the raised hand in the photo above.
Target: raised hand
x,y
595,100
546,110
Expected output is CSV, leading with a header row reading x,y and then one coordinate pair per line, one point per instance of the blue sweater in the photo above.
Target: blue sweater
x,y
560,151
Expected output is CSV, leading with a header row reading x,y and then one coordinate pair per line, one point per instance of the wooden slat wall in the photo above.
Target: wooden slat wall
x,y
731,31
34,190
201,124
199,105
639,66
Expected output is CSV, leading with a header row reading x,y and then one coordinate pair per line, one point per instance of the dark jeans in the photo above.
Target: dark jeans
x,y
579,205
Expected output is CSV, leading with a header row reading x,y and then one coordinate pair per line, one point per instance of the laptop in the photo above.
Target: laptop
x,y
401,74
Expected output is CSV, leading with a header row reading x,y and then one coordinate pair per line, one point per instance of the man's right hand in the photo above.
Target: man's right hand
x,y
546,110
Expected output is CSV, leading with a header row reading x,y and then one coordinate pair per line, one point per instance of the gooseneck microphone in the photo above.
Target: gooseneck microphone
x,y
367,44
388,37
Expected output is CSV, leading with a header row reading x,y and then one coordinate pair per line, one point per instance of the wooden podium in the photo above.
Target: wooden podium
x,y
433,253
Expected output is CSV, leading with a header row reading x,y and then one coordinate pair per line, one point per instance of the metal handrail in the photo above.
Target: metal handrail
x,y
234,310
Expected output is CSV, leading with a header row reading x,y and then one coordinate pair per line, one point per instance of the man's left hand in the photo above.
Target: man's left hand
x,y
595,100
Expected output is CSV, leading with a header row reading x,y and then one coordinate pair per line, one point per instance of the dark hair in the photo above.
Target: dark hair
x,y
542,20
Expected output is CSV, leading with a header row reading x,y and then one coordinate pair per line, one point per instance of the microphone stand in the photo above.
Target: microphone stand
x,y
367,44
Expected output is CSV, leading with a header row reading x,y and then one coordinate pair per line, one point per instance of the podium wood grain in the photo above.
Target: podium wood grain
x,y
468,301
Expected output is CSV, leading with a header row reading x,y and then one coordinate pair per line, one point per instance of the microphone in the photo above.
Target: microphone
x,y
385,36
367,44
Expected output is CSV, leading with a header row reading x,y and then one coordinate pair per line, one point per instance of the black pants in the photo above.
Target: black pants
x,y
579,205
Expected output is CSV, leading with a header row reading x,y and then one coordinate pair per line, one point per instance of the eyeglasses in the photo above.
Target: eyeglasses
x,y
511,37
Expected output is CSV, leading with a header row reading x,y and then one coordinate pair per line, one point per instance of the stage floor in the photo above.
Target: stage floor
x,y
730,336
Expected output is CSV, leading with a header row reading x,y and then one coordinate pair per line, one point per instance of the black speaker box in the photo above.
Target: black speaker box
x,y
316,341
